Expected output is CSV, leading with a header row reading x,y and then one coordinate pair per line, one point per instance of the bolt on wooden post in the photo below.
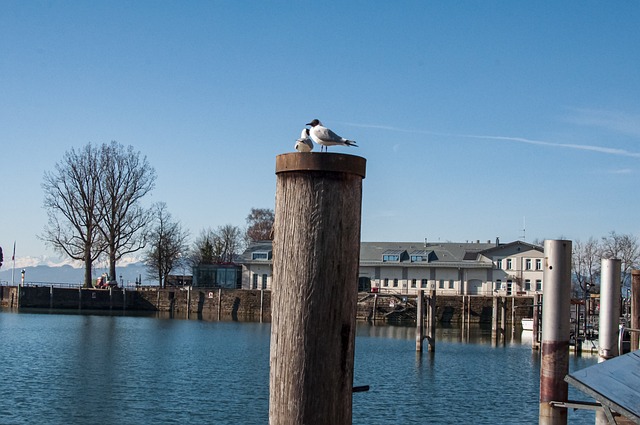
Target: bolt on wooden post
x,y
316,252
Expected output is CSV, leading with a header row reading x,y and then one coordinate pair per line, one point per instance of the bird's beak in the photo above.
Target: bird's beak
x,y
308,123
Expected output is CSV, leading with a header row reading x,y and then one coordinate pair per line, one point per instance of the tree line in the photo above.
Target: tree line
x,y
93,199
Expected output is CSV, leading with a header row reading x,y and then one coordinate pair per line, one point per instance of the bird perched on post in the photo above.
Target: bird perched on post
x,y
304,144
325,137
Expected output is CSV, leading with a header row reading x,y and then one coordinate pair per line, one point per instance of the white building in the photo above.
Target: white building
x,y
450,268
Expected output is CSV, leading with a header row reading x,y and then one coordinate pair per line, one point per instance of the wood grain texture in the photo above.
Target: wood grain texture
x,y
316,251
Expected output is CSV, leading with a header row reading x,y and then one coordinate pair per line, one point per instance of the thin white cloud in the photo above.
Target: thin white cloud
x,y
616,121
591,148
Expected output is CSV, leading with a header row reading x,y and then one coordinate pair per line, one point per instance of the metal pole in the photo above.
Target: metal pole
x,y
556,311
635,308
609,309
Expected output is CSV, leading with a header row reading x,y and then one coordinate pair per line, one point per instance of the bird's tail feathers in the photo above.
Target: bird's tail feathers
x,y
350,143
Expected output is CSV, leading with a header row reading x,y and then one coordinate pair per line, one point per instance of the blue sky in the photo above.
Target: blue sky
x,y
474,117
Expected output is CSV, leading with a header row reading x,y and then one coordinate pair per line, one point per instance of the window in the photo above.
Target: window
x,y
264,281
538,264
538,285
414,283
424,283
391,258
441,284
509,264
395,283
527,284
260,256
498,285
499,264
385,283
255,281
450,284
416,258
527,264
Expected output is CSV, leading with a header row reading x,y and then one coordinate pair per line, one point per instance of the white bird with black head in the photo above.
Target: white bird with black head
x,y
325,137
304,144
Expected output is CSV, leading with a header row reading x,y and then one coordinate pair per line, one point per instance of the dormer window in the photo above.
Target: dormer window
x,y
261,255
394,256
419,255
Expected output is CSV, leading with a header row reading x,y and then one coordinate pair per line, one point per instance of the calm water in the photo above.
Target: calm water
x,y
96,369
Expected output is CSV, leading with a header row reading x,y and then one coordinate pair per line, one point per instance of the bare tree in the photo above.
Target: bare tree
x,y
585,260
216,246
72,203
625,248
167,245
259,224
126,178
206,249
230,238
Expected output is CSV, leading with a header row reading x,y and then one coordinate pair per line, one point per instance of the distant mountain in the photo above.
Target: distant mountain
x,y
44,274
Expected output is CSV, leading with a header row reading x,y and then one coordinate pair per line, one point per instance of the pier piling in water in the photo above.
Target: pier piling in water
x,y
316,249
556,305
635,308
608,320
608,323
419,320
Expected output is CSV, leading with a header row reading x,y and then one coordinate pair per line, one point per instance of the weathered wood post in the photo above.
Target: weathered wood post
x,y
556,306
635,308
419,320
316,250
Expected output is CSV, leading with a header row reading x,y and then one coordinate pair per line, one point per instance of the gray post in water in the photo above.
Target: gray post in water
x,y
419,320
494,320
431,335
503,319
556,310
635,308
535,345
316,250
609,320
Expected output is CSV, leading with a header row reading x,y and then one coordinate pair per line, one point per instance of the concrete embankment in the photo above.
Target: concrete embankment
x,y
250,304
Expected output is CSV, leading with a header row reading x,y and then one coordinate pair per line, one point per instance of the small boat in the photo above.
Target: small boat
x,y
527,324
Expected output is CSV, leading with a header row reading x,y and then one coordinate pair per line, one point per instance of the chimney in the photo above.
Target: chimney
x,y
497,241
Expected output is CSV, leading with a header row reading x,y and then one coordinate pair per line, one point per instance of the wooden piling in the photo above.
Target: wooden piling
x,y
554,365
431,334
316,250
635,308
535,345
494,320
419,320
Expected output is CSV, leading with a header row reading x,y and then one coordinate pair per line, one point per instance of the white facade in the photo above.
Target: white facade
x,y
510,269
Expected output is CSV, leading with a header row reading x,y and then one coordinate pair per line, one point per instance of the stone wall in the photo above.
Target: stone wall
x,y
248,304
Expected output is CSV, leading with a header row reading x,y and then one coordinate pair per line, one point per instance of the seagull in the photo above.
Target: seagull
x,y
304,144
325,137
